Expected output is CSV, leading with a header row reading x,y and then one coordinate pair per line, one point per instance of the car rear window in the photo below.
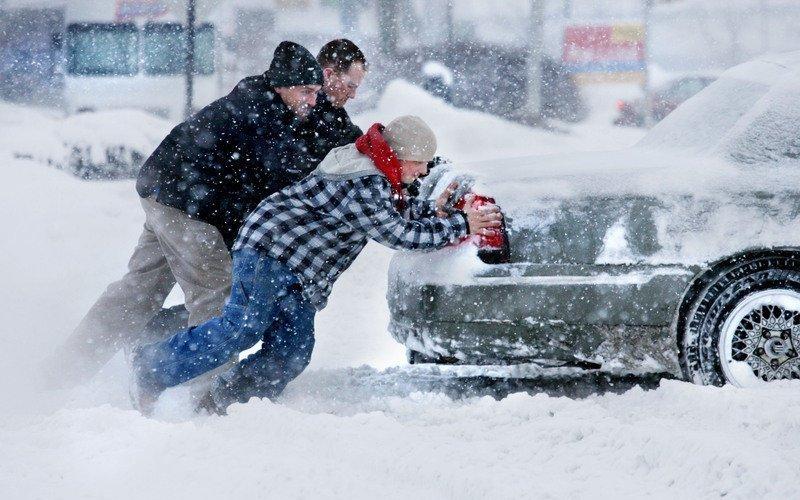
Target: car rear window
x,y
770,132
749,115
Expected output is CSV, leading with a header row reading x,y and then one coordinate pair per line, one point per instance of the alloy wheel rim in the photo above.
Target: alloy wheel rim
x,y
760,340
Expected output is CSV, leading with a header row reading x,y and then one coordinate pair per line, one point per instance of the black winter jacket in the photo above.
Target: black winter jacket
x,y
222,161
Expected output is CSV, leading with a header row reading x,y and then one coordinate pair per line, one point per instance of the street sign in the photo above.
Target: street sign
x,y
611,51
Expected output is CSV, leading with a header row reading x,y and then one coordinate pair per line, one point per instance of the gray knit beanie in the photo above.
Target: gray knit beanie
x,y
410,138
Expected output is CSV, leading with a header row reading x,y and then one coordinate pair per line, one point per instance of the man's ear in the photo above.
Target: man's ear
x,y
326,73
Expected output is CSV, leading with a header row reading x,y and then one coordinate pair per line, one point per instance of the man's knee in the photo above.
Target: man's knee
x,y
245,328
204,307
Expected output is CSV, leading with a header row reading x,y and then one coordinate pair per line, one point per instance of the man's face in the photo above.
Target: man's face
x,y
300,99
412,170
341,87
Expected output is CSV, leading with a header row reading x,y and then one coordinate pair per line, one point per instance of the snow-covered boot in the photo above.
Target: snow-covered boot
x,y
142,399
207,405
142,391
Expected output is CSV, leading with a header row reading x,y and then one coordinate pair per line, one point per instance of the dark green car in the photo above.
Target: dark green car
x,y
681,254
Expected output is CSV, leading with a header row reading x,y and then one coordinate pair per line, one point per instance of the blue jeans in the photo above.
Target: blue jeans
x,y
266,303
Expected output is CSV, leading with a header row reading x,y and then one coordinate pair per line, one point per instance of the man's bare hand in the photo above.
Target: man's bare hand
x,y
482,220
441,201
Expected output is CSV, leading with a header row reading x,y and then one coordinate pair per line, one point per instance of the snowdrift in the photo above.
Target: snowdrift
x,y
466,135
104,145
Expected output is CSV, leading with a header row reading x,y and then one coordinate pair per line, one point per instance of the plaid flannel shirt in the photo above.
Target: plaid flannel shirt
x,y
319,225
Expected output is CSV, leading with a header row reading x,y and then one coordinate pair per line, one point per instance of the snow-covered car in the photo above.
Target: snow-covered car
x,y
681,254
662,102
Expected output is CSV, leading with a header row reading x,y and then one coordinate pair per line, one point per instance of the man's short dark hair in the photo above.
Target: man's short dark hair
x,y
340,54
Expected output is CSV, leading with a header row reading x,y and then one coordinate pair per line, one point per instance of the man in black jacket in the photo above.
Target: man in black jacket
x,y
196,189
343,68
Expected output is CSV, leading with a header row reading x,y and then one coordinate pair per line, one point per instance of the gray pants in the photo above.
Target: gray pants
x,y
172,248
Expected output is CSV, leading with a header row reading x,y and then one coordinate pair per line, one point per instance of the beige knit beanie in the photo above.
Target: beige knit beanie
x,y
410,138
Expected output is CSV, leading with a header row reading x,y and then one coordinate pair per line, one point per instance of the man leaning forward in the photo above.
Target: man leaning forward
x,y
290,251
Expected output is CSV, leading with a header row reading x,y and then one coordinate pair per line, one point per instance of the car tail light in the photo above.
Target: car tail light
x,y
493,247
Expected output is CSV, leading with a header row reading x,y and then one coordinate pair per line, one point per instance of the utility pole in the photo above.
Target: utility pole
x,y
450,25
348,14
533,105
648,97
387,25
190,56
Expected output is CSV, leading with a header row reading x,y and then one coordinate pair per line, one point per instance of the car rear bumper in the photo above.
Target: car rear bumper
x,y
614,315
628,349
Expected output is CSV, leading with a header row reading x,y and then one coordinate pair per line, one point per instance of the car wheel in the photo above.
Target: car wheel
x,y
745,325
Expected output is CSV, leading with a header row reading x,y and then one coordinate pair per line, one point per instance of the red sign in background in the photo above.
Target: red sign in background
x,y
128,10
604,49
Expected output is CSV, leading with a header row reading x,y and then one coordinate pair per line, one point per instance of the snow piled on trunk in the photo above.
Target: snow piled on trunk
x,y
342,430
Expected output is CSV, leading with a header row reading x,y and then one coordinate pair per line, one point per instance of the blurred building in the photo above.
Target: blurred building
x,y
482,45
30,54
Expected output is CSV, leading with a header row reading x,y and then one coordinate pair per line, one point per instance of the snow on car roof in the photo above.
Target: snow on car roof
x,y
717,120
741,133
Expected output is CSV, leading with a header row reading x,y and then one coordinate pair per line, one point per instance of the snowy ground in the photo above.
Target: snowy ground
x,y
358,423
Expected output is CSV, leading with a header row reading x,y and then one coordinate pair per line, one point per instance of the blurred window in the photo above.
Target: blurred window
x,y
685,88
164,49
204,49
101,49
688,88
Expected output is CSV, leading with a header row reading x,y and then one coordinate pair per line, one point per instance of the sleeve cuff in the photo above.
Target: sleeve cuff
x,y
460,218
429,206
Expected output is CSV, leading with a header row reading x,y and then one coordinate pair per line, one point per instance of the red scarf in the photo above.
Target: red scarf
x,y
375,147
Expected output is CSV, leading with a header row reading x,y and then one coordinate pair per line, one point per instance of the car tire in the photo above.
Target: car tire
x,y
745,325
